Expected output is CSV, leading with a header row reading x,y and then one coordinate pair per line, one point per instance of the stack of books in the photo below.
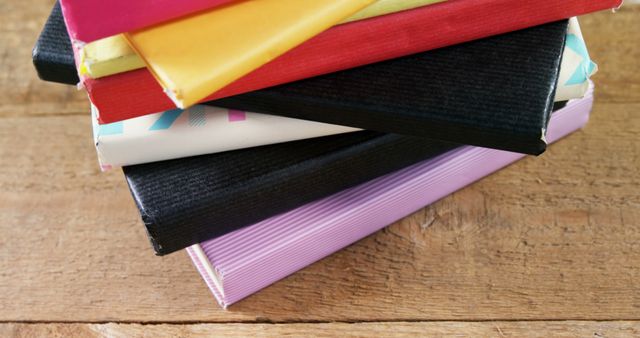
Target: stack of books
x,y
264,135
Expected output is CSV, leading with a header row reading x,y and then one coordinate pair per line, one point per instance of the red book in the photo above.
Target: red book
x,y
137,93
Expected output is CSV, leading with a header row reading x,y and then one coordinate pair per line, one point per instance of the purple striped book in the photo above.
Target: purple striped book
x,y
240,263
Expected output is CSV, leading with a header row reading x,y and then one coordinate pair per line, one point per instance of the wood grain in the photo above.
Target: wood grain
x,y
549,238
399,329
23,94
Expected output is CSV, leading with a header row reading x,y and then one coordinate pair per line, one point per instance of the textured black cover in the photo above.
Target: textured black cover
x,y
496,92
52,54
187,201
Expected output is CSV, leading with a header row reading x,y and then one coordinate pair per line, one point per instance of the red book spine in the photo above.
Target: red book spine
x,y
136,93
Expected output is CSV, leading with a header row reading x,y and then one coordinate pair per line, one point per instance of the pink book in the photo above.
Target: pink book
x,y
89,20
242,262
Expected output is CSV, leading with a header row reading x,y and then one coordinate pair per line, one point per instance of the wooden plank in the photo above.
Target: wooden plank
x,y
554,237
396,329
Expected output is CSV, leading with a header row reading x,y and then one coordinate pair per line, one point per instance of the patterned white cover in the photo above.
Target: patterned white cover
x,y
196,131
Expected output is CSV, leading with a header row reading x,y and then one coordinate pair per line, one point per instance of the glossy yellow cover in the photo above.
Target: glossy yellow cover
x,y
108,56
200,54
382,7
113,55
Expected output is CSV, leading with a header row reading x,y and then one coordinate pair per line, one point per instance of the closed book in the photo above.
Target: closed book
x,y
197,55
113,55
186,201
496,92
136,93
242,262
199,130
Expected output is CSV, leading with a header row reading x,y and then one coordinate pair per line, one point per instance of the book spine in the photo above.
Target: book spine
x,y
136,93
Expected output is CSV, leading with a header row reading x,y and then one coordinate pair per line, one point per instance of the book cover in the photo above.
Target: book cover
x,y
190,200
113,55
90,20
242,262
197,55
199,130
496,92
350,45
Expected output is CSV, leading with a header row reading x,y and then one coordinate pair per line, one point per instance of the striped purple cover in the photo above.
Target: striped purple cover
x,y
240,263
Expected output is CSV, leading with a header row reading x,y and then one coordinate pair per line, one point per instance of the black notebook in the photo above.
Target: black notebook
x,y
190,200
496,92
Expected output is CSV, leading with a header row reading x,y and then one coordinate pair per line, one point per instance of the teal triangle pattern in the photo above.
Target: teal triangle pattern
x,y
586,67
166,119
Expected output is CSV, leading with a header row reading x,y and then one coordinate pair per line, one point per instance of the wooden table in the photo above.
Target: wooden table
x,y
548,246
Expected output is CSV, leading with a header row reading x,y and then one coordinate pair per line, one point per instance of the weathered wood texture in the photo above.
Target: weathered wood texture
x,y
384,329
549,238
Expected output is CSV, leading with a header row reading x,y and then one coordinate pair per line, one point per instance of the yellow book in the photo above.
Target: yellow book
x,y
382,7
113,55
200,54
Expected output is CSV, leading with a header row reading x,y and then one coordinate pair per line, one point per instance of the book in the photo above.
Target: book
x,y
90,20
242,262
197,55
496,92
350,45
199,130
113,55
190,200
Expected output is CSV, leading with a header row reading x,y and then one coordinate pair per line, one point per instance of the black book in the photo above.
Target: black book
x,y
496,92
187,201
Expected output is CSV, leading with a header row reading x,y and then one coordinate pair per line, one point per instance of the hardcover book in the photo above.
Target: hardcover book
x,y
197,131
197,55
496,92
242,262
190,200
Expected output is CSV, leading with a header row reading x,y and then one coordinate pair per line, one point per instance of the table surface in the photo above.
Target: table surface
x,y
547,246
